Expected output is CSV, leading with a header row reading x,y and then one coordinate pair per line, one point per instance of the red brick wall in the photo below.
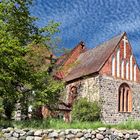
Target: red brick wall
x,y
74,54
107,68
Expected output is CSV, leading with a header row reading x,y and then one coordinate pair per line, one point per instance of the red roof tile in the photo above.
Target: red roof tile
x,y
92,60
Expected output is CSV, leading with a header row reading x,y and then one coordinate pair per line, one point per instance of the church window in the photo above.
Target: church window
x,y
113,66
124,98
135,74
127,70
122,69
131,67
118,63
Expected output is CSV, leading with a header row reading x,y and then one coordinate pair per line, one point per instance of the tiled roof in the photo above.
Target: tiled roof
x,y
62,64
62,59
92,60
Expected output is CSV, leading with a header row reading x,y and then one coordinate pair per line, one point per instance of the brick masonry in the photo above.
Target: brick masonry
x,y
106,69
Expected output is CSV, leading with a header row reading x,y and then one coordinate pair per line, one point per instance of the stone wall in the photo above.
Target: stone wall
x,y
69,134
105,90
109,98
87,87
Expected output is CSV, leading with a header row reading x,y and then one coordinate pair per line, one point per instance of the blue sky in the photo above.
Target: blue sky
x,y
92,21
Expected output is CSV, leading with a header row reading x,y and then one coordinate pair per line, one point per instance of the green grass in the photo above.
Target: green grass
x,y
129,125
60,124
57,124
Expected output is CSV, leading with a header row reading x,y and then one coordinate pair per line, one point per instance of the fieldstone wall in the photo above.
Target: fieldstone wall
x,y
105,90
69,134
109,98
87,87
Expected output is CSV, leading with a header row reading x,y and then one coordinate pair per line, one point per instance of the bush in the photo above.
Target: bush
x,y
5,124
84,110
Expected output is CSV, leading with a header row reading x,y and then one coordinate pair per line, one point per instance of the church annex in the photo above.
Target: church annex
x,y
107,73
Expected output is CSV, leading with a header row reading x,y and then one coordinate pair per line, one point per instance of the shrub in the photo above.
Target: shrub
x,y
5,124
83,110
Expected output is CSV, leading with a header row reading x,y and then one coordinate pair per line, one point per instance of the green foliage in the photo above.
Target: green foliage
x,y
1,108
9,106
20,76
84,110
47,90
15,13
6,123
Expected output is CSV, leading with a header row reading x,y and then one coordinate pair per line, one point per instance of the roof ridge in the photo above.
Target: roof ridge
x,y
99,45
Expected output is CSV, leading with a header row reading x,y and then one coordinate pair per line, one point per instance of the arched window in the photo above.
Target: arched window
x,y
113,66
131,67
118,63
124,98
135,73
127,70
122,69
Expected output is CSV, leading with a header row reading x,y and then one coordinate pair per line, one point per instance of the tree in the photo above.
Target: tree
x,y
15,13
42,61
14,69
18,76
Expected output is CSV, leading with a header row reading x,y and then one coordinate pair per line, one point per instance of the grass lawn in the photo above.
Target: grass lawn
x,y
60,124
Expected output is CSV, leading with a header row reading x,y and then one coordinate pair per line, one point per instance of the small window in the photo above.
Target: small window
x,y
124,98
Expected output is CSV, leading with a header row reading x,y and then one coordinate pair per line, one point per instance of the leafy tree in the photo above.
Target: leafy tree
x,y
19,22
47,90
15,13
14,69
20,73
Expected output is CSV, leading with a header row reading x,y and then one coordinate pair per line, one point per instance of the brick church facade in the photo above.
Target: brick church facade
x,y
107,73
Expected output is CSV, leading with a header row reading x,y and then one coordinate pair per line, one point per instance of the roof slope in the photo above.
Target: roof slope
x,y
64,62
92,60
62,59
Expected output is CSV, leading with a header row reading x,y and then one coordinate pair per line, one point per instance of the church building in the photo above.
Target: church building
x,y
107,73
